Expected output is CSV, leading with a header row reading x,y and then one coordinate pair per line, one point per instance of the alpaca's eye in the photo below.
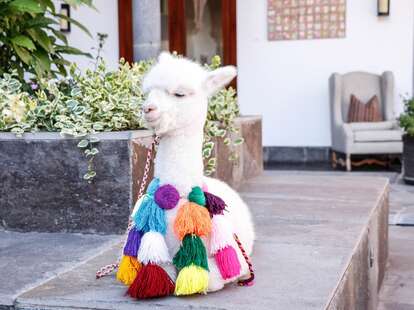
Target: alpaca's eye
x,y
179,95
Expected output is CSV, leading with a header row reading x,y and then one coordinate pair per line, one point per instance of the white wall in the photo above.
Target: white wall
x,y
287,81
104,20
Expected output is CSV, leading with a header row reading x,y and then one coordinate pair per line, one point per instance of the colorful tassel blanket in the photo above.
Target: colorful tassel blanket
x,y
145,250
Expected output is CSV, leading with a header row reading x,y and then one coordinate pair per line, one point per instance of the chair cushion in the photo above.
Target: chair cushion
x,y
360,112
387,125
377,135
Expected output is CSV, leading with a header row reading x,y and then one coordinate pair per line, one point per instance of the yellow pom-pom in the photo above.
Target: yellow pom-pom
x,y
128,269
191,280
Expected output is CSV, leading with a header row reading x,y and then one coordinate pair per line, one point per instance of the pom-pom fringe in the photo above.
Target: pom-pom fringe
x,y
191,280
127,270
152,281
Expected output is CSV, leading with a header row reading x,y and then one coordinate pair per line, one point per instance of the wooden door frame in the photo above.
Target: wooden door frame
x,y
177,29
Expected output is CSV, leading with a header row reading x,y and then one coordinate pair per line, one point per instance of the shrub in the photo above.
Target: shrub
x,y
99,100
407,118
30,42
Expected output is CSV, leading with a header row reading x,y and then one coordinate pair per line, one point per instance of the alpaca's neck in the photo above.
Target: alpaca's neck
x,y
179,160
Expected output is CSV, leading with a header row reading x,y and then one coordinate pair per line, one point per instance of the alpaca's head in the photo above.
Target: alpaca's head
x,y
178,91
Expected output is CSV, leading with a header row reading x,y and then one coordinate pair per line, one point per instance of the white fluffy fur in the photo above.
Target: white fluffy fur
x,y
153,249
176,109
221,234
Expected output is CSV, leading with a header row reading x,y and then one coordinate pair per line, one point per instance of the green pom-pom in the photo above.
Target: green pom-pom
x,y
197,196
192,251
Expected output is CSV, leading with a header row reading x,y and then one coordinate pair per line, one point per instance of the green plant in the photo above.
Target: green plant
x,y
407,118
222,111
100,100
30,41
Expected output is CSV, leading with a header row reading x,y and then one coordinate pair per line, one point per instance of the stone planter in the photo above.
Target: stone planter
x,y
408,159
42,187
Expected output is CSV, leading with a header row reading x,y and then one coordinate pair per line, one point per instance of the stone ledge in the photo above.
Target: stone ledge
x,y
43,190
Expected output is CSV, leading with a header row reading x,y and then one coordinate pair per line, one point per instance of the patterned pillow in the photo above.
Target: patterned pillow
x,y
360,112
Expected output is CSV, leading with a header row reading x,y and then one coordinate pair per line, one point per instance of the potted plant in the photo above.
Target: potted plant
x,y
407,122
72,151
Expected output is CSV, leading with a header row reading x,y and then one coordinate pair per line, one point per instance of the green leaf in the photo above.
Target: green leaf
x,y
39,21
23,54
43,59
71,50
30,6
238,141
94,151
49,4
60,35
89,175
42,38
94,140
23,41
75,22
83,143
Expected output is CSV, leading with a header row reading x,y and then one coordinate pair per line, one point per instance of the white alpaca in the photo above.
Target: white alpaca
x,y
176,110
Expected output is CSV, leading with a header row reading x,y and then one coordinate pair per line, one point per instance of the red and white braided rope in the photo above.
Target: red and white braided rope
x,y
250,280
106,270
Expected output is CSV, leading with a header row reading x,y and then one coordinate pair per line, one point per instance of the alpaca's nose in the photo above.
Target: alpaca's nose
x,y
148,108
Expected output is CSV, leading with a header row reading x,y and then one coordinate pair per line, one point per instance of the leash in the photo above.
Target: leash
x,y
249,281
108,269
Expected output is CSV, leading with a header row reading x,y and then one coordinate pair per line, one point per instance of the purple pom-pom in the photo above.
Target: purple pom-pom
x,y
167,196
133,242
214,204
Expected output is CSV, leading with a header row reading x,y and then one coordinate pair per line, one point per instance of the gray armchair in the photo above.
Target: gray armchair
x,y
366,137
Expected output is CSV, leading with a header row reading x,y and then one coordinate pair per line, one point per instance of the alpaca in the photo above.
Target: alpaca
x,y
176,109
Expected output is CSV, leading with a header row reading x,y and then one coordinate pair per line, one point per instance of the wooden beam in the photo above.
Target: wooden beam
x,y
125,30
229,28
176,26
229,33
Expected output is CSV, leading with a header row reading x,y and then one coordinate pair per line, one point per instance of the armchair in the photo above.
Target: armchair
x,y
363,137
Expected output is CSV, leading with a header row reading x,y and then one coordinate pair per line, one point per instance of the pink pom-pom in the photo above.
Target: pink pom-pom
x,y
204,187
167,196
228,262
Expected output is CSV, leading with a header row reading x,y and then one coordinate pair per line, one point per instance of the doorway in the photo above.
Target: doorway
x,y
198,29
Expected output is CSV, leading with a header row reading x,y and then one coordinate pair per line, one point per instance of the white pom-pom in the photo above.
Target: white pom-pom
x,y
221,234
153,249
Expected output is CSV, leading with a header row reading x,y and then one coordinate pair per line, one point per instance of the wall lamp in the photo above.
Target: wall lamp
x,y
64,23
384,7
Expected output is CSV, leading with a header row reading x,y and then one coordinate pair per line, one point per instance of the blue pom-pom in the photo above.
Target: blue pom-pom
x,y
150,217
153,186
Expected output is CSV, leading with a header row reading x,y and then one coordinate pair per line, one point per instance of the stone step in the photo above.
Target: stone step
x,y
321,244
28,260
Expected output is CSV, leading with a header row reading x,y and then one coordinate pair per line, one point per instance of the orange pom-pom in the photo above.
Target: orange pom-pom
x,y
192,219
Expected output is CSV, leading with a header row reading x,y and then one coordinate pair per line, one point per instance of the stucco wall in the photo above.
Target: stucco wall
x,y
104,20
287,81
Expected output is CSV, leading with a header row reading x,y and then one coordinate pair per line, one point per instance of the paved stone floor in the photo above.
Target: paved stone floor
x,y
398,288
69,251
397,292
299,220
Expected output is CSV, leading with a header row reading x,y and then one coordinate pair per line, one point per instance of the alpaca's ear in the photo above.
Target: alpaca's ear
x,y
164,56
219,78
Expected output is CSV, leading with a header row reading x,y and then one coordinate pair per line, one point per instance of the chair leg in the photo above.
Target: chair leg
x,y
334,160
348,162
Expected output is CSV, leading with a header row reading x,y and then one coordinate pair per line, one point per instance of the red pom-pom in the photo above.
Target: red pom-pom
x,y
152,281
